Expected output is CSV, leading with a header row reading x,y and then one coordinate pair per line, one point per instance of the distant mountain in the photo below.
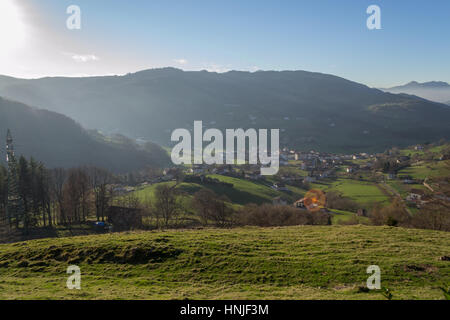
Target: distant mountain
x,y
428,85
313,110
438,91
57,141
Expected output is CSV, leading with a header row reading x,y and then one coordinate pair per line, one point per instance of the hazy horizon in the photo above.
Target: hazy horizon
x,y
326,37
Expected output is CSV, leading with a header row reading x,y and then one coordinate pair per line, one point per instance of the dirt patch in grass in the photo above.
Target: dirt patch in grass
x,y
420,268
120,254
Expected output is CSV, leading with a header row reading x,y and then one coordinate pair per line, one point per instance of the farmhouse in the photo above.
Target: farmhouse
x,y
300,203
280,201
308,204
415,195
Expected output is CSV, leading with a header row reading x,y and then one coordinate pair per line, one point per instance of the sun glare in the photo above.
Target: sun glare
x,y
12,28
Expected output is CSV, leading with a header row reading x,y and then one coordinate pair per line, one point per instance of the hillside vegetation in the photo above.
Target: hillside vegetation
x,y
59,141
313,110
305,262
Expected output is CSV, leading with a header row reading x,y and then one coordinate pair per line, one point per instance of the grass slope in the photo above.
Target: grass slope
x,y
345,216
246,191
242,192
362,192
427,170
304,262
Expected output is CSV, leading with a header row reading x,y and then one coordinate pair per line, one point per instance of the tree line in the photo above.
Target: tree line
x,y
170,206
56,196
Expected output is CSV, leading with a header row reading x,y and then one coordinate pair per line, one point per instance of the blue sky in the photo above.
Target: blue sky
x,y
323,35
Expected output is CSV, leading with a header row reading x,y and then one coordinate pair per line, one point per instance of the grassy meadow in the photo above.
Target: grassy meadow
x,y
240,193
302,262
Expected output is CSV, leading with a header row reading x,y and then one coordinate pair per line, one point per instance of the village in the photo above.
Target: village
x,y
301,171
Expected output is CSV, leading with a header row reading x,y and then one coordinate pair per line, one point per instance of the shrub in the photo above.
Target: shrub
x,y
392,215
433,217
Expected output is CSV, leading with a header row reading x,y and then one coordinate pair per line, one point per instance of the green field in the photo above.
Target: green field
x,y
341,216
435,149
427,170
242,192
245,191
362,192
404,189
304,262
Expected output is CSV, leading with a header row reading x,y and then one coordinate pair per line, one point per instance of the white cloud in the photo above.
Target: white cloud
x,y
84,57
181,61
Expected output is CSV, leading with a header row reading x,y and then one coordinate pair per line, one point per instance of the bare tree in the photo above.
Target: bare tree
x,y
221,211
58,177
100,180
203,202
166,203
76,195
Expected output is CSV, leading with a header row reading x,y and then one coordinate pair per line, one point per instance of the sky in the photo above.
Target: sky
x,y
328,36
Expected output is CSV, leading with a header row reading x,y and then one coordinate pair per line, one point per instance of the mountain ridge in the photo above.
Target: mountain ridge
x,y
428,84
313,110
438,91
58,141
